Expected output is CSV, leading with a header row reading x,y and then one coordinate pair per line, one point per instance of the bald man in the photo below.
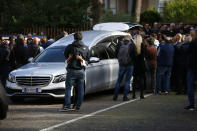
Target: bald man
x,y
34,49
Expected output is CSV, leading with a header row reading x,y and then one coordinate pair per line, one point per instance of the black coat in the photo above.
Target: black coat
x,y
33,50
3,103
4,54
147,31
179,56
192,55
184,49
139,64
19,56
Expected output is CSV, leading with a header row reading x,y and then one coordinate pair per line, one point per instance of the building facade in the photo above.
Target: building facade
x,y
161,5
134,7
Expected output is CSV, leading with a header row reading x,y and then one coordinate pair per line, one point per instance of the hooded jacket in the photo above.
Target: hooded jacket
x,y
76,48
132,51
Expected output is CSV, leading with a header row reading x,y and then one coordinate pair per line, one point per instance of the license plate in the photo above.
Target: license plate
x,y
31,90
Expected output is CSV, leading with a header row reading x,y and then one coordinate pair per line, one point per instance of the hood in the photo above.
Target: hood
x,y
126,41
40,69
78,44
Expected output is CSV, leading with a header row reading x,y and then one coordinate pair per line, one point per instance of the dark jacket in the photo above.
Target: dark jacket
x,y
29,41
33,50
165,54
76,48
48,43
179,56
184,49
171,33
151,55
155,30
192,55
139,64
147,31
164,32
132,50
3,103
4,54
19,56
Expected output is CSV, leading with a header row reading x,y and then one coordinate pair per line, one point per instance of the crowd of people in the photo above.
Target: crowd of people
x,y
16,51
150,55
165,60
160,58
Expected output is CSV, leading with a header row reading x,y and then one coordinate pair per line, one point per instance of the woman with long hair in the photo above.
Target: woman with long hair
x,y
139,67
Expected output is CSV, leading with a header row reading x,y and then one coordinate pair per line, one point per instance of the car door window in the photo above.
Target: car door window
x,y
106,48
112,44
105,44
99,51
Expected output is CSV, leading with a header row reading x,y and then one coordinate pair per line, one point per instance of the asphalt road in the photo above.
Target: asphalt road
x,y
155,113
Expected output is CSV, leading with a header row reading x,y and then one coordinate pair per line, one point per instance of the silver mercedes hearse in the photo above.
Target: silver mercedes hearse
x,y
45,75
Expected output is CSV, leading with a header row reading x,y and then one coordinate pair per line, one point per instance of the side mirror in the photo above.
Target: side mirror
x,y
30,59
94,59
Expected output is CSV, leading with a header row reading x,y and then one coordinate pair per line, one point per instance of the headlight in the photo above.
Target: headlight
x,y
12,78
59,78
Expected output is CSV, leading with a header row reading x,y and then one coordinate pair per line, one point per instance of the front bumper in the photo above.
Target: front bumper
x,y
56,90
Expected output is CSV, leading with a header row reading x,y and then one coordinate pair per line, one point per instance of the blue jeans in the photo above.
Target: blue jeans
x,y
74,77
191,75
123,70
163,78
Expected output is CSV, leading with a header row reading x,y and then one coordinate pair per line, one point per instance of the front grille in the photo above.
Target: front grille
x,y
33,80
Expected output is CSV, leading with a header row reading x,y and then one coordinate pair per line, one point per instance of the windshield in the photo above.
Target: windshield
x,y
51,55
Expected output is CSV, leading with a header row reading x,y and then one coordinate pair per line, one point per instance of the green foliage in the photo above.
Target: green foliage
x,y
181,11
119,17
150,16
18,14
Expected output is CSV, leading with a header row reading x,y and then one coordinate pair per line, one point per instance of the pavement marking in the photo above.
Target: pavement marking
x,y
91,114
